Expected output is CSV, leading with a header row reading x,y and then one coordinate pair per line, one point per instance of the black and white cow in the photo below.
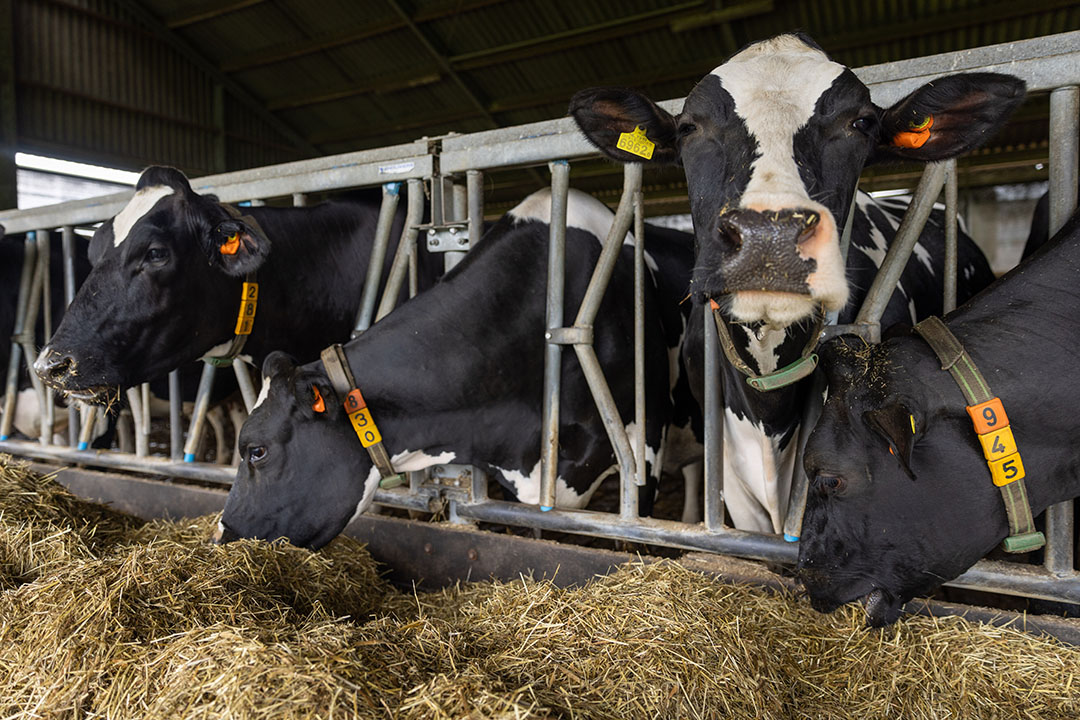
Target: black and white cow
x,y
901,498
166,283
773,142
456,376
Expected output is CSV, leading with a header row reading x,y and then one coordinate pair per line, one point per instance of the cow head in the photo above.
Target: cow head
x,y
773,142
164,289
900,499
303,473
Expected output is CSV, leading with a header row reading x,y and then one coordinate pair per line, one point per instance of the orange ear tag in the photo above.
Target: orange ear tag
x,y
319,406
920,133
231,246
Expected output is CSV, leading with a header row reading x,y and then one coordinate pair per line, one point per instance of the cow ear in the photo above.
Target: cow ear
x,y
898,427
100,242
237,246
315,397
949,116
623,124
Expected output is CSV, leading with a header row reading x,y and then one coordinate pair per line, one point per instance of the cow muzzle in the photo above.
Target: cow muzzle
x,y
61,371
760,250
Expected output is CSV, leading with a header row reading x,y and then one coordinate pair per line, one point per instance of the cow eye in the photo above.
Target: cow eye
x,y
256,453
829,484
685,129
157,255
866,124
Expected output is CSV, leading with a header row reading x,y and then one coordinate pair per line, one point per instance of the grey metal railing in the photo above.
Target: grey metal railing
x,y
1047,64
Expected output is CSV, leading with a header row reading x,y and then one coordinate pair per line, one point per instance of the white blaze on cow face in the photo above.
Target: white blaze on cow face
x,y
142,203
264,392
775,86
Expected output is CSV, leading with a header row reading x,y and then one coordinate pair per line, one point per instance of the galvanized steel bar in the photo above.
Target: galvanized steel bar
x,y
89,415
413,216
299,199
458,212
11,387
67,244
949,272
391,193
247,387
176,432
639,341
137,408
47,411
896,258
25,330
198,414
554,317
714,427
474,179
1064,162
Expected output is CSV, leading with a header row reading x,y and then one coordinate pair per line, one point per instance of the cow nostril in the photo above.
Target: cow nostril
x,y
731,235
54,366
809,226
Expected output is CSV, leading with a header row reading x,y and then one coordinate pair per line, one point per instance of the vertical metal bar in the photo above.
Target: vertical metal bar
x,y
198,415
89,421
714,427
47,411
391,193
900,249
67,239
299,199
458,212
145,388
176,433
15,359
1064,173
793,519
137,415
949,301
25,327
556,281
413,216
474,179
639,342
247,388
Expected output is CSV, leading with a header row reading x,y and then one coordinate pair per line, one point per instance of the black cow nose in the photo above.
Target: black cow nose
x,y
737,227
53,367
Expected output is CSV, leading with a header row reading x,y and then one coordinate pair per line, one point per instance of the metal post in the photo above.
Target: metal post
x,y
549,446
949,301
391,193
89,421
1064,162
176,433
639,341
413,215
458,212
25,329
793,519
474,179
48,408
15,359
299,199
714,427
137,415
900,250
247,388
198,415
67,239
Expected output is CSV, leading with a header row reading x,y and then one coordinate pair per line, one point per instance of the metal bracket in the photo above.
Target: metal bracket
x,y
575,335
450,482
448,237
871,333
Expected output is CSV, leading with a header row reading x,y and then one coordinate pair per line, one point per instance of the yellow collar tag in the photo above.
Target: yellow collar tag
x,y
248,300
636,143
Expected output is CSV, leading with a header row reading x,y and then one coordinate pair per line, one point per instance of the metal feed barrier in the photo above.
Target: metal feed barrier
x,y
1047,64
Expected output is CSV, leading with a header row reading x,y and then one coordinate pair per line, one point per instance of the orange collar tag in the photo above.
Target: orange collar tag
x,y
231,245
917,137
319,405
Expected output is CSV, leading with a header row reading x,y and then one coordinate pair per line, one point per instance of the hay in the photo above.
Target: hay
x,y
149,621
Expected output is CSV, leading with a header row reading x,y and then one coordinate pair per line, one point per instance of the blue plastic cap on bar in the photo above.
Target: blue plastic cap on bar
x,y
791,538
83,445
545,509
392,188
3,438
189,457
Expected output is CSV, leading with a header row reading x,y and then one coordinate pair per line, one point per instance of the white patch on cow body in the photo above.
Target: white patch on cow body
x,y
775,86
757,475
264,392
139,205
527,487
924,257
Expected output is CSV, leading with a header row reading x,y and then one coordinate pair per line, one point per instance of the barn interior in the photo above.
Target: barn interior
x,y
93,91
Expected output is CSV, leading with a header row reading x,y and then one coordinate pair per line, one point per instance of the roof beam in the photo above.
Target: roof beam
x,y
206,11
291,51
385,85
235,89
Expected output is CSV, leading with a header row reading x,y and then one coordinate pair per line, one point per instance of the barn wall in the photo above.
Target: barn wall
x,y
94,84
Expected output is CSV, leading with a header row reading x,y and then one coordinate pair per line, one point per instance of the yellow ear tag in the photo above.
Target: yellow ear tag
x,y
912,424
636,143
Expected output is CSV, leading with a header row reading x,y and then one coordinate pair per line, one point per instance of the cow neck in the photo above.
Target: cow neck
x,y
1023,537
785,376
344,383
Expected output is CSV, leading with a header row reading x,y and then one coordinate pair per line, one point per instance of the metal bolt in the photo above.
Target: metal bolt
x,y
473,555
453,231
431,232
463,240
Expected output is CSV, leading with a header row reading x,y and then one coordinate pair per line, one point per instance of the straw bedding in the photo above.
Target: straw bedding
x,y
102,616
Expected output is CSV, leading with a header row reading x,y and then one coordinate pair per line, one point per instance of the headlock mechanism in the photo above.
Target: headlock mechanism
x,y
996,437
344,384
